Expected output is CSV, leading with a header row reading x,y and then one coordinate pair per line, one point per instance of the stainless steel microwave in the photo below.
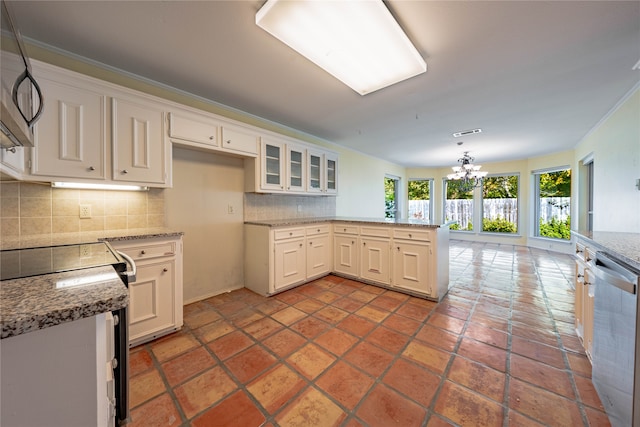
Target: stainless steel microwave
x,y
20,91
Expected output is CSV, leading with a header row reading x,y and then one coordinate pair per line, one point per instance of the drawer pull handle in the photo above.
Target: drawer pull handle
x,y
143,252
211,138
124,171
318,230
91,168
228,141
345,230
164,270
300,244
410,235
353,243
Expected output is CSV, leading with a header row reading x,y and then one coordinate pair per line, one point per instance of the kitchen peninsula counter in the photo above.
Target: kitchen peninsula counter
x,y
357,220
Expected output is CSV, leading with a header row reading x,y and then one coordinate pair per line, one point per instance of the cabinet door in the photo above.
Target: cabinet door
x,y
331,173
239,141
587,310
579,299
345,254
194,129
12,162
69,139
151,307
140,150
315,176
318,256
296,168
411,266
272,162
375,260
290,263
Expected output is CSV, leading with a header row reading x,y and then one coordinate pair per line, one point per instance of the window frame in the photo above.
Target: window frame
x,y
535,181
518,204
444,207
431,203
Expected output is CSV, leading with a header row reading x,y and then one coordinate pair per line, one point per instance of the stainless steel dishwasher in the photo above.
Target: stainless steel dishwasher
x,y
615,322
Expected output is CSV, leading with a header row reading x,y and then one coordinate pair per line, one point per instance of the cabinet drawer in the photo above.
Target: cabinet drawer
x,y
412,234
194,130
375,231
235,139
318,229
288,233
149,251
345,229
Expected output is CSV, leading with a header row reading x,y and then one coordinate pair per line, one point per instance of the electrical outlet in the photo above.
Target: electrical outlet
x,y
85,211
85,251
230,209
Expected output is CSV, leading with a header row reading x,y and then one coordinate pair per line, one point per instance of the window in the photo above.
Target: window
x,y
420,199
458,206
500,204
553,203
391,196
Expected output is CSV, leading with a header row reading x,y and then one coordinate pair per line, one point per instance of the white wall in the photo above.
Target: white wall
x,y
615,146
361,184
204,184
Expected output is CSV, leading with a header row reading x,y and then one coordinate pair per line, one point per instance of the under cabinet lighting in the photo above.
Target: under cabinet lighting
x,y
87,186
358,42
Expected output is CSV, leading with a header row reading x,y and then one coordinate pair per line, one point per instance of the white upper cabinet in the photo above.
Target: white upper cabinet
x,y
296,168
331,173
315,175
193,129
70,139
140,152
272,165
239,140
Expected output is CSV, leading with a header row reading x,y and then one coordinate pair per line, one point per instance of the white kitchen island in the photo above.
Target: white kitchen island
x,y
404,255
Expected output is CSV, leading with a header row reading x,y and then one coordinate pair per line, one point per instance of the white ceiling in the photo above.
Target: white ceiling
x,y
535,76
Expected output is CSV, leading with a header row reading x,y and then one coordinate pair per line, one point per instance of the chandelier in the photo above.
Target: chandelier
x,y
469,174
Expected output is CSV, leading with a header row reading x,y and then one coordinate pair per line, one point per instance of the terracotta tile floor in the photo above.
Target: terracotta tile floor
x,y
499,350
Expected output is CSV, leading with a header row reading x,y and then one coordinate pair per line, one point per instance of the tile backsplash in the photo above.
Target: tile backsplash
x,y
258,207
33,209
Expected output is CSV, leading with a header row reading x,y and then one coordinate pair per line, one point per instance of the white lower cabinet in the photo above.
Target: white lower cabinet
x,y
289,262
279,258
155,298
408,259
318,251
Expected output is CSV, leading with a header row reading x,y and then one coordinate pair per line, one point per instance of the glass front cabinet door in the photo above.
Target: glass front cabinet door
x,y
331,163
272,166
315,162
296,168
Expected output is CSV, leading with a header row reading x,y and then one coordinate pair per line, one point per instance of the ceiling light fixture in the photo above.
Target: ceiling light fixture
x,y
469,174
358,42
89,186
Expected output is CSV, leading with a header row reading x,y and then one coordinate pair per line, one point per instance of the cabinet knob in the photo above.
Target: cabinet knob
x,y
290,233
353,243
398,248
91,168
143,252
211,138
318,230
345,230
300,244
228,141
364,243
125,171
310,243
164,270
410,235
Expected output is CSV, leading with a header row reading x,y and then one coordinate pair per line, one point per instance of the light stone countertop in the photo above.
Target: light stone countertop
x,y
371,221
32,303
624,247
54,239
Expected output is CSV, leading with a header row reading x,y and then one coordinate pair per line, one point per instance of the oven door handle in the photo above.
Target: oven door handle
x,y
131,275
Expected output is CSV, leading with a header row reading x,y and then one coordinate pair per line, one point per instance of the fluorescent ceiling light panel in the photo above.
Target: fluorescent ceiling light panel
x,y
358,42
88,186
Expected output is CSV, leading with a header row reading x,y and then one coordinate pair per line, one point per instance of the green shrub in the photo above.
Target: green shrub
x,y
556,229
456,226
498,225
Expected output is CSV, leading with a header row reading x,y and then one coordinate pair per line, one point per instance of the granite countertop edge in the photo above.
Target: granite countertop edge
x,y
53,239
33,303
373,221
622,246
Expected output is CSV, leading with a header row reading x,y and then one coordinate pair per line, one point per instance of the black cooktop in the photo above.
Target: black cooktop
x,y
19,263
